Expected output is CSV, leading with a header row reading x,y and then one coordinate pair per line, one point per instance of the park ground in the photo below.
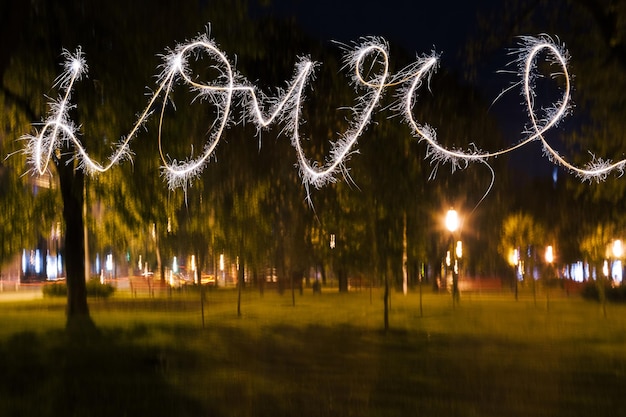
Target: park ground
x,y
327,355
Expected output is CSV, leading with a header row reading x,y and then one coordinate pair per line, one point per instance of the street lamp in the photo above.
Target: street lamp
x,y
452,220
514,262
452,224
549,255
618,249
222,269
549,259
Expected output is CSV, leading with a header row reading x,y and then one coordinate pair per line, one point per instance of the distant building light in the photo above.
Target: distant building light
x,y
37,262
109,262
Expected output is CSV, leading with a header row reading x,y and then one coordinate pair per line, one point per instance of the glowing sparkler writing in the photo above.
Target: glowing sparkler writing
x,y
286,106
229,88
530,49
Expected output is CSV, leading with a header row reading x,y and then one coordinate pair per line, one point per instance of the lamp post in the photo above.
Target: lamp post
x,y
549,259
222,270
514,262
332,244
452,224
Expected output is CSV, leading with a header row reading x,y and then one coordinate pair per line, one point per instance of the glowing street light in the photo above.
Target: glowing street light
x,y
175,265
549,255
194,269
459,249
514,257
618,251
452,220
452,223
222,268
514,261
549,259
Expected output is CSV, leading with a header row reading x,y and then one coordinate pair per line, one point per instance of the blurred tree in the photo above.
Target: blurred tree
x,y
28,213
27,205
521,232
106,105
595,247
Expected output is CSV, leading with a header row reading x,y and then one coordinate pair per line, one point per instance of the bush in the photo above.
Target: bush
x,y
94,289
58,289
615,294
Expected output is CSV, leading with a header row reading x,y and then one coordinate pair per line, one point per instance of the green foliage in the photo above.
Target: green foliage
x,y
94,289
57,289
596,245
27,209
520,230
99,290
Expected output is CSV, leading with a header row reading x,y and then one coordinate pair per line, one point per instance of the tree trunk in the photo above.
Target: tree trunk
x,y
342,279
71,184
260,279
240,283
293,289
157,248
405,257
600,283
240,273
198,273
86,229
386,302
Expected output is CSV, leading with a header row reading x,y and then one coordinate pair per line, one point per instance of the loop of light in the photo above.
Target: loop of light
x,y
58,129
287,107
531,47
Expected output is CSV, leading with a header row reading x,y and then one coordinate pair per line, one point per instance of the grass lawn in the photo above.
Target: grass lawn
x,y
327,356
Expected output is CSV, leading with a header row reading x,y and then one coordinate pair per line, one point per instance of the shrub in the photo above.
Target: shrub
x,y
58,289
615,294
94,289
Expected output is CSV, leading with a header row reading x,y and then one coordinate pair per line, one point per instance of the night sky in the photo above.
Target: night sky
x,y
421,27
416,25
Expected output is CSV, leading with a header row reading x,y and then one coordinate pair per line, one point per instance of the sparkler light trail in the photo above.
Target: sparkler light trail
x,y
527,56
369,62
286,106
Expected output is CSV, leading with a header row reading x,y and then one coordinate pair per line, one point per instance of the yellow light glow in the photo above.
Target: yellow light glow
x,y
175,265
618,249
513,257
549,255
452,220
